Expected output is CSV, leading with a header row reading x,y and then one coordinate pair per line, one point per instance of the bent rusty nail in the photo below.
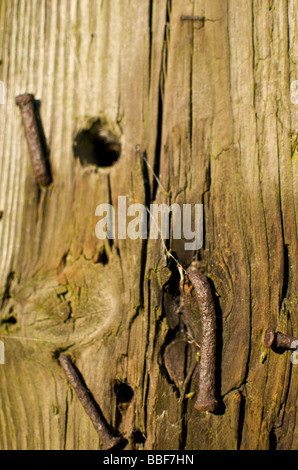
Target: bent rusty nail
x,y
206,400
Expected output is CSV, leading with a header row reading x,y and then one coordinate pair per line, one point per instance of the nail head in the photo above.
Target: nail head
x,y
269,337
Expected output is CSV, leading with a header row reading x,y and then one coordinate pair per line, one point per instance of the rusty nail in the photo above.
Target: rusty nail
x,y
275,338
206,400
26,104
87,400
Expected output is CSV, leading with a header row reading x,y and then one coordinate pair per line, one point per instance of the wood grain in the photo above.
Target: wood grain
x,y
211,108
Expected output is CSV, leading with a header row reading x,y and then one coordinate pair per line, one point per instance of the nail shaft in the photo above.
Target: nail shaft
x,y
26,104
89,404
206,394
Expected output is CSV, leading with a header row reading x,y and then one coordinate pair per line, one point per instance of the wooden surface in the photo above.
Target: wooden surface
x,y
209,106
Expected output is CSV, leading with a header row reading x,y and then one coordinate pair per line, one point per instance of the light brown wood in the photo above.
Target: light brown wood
x,y
209,106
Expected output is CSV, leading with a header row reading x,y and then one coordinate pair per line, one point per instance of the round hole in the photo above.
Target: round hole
x,y
97,146
123,392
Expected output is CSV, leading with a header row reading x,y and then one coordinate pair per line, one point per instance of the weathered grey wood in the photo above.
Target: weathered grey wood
x,y
209,106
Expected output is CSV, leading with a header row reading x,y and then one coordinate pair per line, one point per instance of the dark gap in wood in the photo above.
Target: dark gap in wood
x,y
37,106
156,166
62,264
171,296
191,93
138,437
57,352
241,419
219,345
285,284
147,190
124,393
183,436
272,440
38,199
146,182
110,240
97,146
205,196
6,295
11,320
102,257
150,38
65,422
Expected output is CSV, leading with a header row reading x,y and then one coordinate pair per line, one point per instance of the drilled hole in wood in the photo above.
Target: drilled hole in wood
x,y
97,146
123,392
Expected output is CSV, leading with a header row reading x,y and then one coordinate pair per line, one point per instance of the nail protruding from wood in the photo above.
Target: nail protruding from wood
x,y
274,338
206,400
90,406
40,168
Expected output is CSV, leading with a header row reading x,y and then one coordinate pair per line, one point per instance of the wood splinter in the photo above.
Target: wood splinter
x,y
206,400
